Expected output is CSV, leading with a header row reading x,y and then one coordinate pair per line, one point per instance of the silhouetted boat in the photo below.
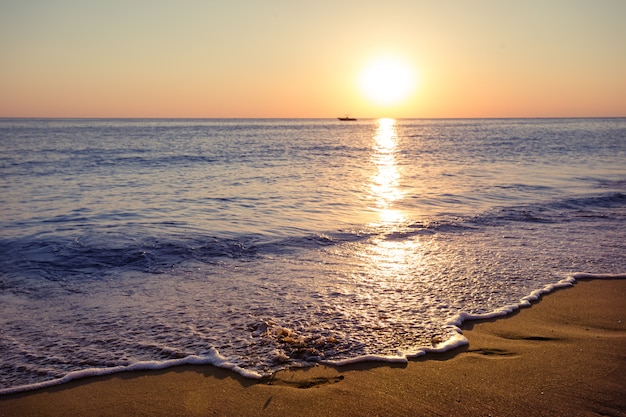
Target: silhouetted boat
x,y
346,118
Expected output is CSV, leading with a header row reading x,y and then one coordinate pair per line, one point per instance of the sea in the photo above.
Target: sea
x,y
263,244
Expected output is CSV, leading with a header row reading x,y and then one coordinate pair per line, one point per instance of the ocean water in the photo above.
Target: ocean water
x,y
257,245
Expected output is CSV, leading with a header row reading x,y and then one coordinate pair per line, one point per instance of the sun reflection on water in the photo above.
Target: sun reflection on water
x,y
385,182
387,280
394,256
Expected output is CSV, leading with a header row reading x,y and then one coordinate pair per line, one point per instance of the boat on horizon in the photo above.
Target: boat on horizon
x,y
346,118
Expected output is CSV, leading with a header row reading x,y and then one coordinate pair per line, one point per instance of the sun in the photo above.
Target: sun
x,y
387,81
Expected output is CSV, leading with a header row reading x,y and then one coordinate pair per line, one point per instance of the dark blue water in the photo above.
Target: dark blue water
x,y
263,244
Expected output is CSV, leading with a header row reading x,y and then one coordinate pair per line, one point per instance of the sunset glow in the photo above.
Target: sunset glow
x,y
320,59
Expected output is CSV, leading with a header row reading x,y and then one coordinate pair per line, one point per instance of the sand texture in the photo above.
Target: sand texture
x,y
563,356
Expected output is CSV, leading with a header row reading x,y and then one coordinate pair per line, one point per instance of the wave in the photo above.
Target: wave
x,y
156,248
61,258
563,210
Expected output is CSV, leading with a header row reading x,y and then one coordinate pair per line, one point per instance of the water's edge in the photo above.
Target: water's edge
x,y
215,359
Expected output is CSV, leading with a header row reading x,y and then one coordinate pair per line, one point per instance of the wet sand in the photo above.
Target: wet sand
x,y
563,356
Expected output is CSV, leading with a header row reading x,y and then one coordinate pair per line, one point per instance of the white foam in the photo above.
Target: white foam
x,y
457,340
583,275
213,357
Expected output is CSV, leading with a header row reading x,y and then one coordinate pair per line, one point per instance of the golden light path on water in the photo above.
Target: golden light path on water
x,y
392,262
387,257
385,182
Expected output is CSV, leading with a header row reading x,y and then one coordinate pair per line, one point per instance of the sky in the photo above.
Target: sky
x,y
279,58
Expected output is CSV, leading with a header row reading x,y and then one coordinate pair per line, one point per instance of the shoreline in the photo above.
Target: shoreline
x,y
214,358
565,354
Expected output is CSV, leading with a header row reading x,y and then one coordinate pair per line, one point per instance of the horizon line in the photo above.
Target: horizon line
x,y
298,118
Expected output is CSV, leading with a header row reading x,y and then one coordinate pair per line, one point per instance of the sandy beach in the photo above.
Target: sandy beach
x,y
563,356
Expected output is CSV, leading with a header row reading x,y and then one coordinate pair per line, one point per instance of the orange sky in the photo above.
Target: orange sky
x,y
274,58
